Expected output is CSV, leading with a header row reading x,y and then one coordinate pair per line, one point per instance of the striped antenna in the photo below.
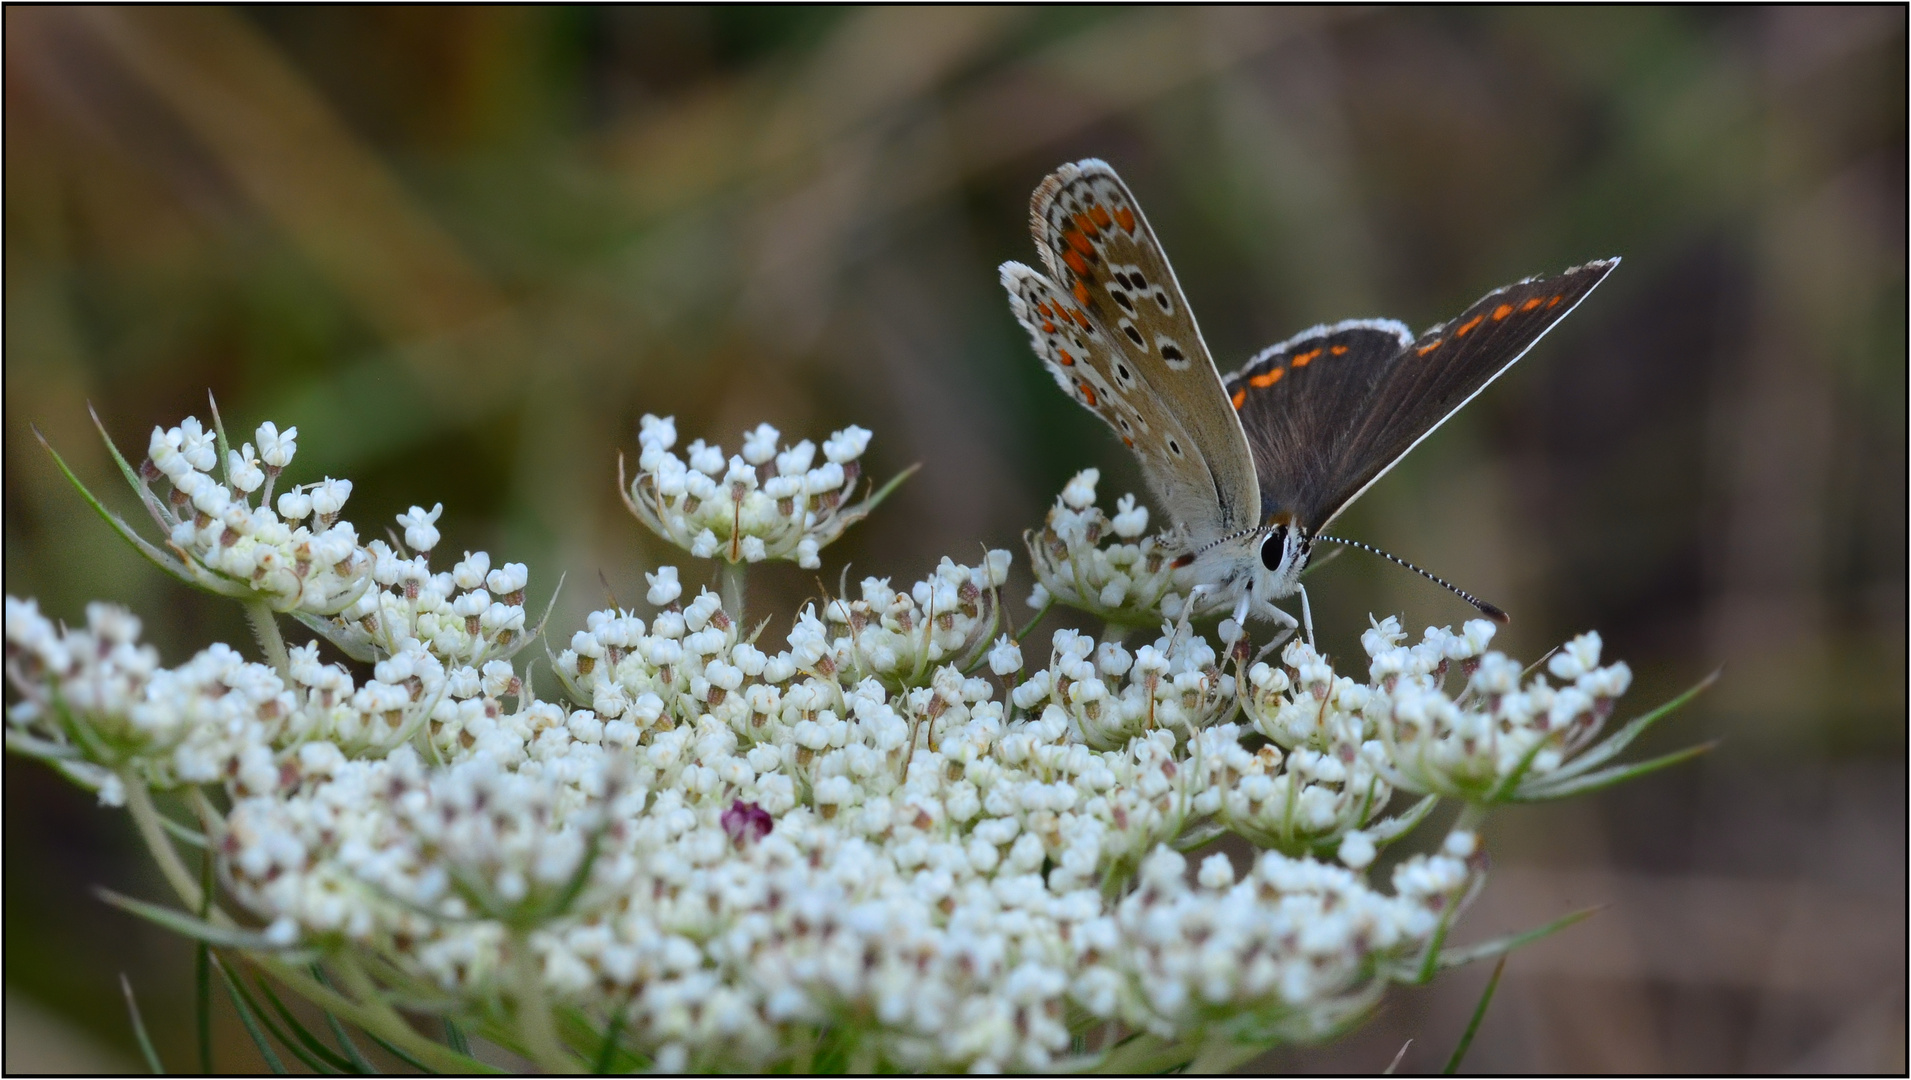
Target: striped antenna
x,y
1485,608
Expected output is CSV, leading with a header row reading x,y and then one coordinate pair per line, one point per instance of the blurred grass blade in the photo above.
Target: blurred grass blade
x,y
345,1043
608,1052
1400,1055
1473,1025
246,1018
455,1037
139,1028
202,970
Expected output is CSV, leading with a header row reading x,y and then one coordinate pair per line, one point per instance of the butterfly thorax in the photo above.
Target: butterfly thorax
x,y
1254,567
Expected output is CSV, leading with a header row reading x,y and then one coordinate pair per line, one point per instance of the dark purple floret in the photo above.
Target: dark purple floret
x,y
746,822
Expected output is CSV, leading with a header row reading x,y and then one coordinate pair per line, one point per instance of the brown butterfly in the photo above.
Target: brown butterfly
x,y
1255,466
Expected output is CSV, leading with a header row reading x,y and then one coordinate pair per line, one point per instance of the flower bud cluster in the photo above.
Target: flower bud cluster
x,y
902,637
467,616
98,704
1086,560
1110,695
300,558
766,502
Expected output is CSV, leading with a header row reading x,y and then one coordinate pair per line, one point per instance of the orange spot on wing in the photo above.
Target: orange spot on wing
x,y
1306,358
1338,350
1428,347
1099,215
1047,314
1126,218
1530,304
1469,324
1081,294
1079,242
1240,397
1074,260
1047,327
1267,378
1086,225
1555,300
1067,360
1080,319
1502,312
1088,393
1128,442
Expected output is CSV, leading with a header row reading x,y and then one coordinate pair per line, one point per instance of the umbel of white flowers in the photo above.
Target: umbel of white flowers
x,y
887,832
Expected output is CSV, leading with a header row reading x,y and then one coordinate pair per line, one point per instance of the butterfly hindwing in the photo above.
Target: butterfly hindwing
x,y
1100,251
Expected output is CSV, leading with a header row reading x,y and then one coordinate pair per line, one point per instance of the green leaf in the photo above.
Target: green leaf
x,y
1473,1025
304,1035
188,926
154,555
1606,778
1500,946
359,1064
608,1052
1393,828
455,1038
139,1028
882,493
1611,746
246,1017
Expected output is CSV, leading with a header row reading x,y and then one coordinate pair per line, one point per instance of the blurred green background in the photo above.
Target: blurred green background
x,y
464,250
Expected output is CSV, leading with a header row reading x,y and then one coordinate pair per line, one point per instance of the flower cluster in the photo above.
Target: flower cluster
x,y
1107,567
1444,717
721,847
1110,695
763,503
300,559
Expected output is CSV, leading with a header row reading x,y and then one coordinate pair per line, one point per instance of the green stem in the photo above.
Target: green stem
x,y
732,587
1115,633
1472,816
139,802
265,627
534,1011
373,1015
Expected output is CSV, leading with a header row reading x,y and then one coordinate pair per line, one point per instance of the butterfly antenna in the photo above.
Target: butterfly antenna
x,y
1485,608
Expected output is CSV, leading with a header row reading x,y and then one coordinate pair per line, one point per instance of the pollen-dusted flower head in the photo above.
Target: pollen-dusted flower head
x,y
1105,566
765,502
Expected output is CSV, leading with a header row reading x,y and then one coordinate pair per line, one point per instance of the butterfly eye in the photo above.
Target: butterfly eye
x,y
1274,547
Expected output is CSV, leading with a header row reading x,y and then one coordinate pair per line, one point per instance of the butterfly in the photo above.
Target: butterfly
x,y
1255,466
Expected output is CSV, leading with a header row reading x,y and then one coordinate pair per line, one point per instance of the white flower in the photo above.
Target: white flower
x,y
276,448
421,532
664,588
1006,657
1127,582
734,508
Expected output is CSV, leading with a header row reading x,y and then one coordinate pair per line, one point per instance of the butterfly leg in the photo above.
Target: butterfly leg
x,y
1307,613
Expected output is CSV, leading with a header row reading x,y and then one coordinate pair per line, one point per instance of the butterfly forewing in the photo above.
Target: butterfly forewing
x,y
1295,401
1330,424
1446,366
1105,258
